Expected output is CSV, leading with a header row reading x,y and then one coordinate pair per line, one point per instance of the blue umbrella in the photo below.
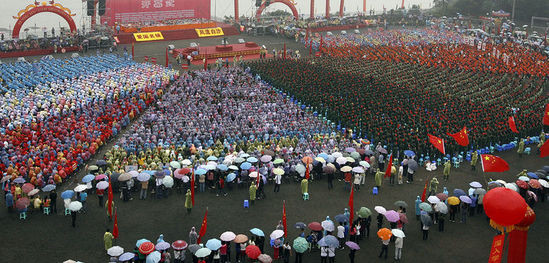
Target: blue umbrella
x,y
213,244
126,256
300,225
459,192
328,241
209,167
68,194
212,158
88,178
200,171
341,218
48,188
533,175
231,177
222,167
324,156
409,153
19,180
141,241
153,257
245,166
257,232
252,160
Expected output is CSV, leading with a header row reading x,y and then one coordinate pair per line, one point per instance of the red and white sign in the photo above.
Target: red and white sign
x,y
128,11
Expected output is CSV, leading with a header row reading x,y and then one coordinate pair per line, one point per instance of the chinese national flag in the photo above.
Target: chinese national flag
x,y
437,143
512,124
388,170
192,187
115,228
491,163
546,115
351,205
544,149
424,194
203,227
284,219
307,171
110,197
461,137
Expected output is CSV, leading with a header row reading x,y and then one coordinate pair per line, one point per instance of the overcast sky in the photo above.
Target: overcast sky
x,y
219,8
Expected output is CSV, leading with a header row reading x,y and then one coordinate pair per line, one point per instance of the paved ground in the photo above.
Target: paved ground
x,y
52,239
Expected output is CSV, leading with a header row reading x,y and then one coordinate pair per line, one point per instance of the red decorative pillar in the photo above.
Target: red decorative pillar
x,y
327,9
364,6
236,11
312,9
402,6
341,3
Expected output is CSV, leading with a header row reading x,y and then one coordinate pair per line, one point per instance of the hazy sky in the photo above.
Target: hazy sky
x,y
220,8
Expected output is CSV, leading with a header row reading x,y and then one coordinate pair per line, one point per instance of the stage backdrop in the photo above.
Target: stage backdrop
x,y
127,11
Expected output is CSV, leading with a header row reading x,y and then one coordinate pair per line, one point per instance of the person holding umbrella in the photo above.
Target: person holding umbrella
x,y
53,198
107,239
252,192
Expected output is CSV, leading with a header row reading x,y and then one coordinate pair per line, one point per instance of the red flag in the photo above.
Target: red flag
x,y
115,228
461,137
512,124
203,227
284,55
388,170
167,58
110,197
307,173
284,218
491,163
546,115
437,142
423,195
192,187
544,149
351,206
133,48
258,177
497,248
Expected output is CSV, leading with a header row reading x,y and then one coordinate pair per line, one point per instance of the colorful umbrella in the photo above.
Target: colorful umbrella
x,y
253,251
452,200
315,226
300,245
179,245
146,248
384,233
380,209
364,212
352,245
203,252
241,238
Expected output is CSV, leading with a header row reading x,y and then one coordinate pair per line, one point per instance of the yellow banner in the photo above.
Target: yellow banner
x,y
148,36
209,32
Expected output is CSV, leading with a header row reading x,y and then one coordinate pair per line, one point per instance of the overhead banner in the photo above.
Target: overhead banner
x,y
148,36
209,32
145,11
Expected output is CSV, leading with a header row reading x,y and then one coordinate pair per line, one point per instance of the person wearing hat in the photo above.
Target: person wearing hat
x,y
520,149
379,179
446,171
252,191
107,239
433,186
474,159
188,201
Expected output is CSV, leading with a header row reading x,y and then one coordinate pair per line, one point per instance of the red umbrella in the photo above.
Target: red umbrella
x,y
315,226
27,188
534,183
442,196
146,248
22,203
253,252
179,245
522,184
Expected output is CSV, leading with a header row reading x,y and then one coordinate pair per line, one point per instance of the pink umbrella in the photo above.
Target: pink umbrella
x,y
403,218
392,216
100,177
27,188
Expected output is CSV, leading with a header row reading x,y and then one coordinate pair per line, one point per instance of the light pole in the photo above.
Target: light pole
x,y
513,13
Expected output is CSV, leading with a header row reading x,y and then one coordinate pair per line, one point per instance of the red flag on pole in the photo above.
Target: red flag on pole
x,y
491,163
115,228
389,165
284,55
423,195
110,197
546,115
544,150
192,187
258,177
284,218
437,142
351,206
307,173
167,58
461,137
512,124
204,226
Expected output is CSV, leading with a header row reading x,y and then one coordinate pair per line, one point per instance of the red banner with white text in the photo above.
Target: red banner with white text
x,y
141,11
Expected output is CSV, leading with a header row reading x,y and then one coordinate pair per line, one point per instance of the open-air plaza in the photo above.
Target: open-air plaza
x,y
150,135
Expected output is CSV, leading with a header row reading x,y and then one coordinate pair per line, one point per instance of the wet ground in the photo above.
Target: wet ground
x,y
52,239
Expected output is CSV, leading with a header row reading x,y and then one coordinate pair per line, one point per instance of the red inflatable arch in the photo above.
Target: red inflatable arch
x,y
286,2
32,10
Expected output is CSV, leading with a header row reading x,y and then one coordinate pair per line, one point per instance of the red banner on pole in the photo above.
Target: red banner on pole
x,y
497,249
284,219
203,227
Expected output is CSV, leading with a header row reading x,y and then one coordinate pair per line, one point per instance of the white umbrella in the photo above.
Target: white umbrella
x,y
441,207
328,225
433,199
186,162
80,188
397,232
541,181
167,181
115,251
253,174
341,160
102,185
346,169
277,234
380,209
358,169
35,191
227,236
75,206
364,164
337,155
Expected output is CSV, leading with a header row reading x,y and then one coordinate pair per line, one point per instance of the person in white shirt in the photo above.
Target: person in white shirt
x,y
278,181
323,254
331,254
341,234
398,248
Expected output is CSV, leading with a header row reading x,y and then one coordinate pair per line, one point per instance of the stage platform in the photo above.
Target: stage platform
x,y
220,51
179,34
